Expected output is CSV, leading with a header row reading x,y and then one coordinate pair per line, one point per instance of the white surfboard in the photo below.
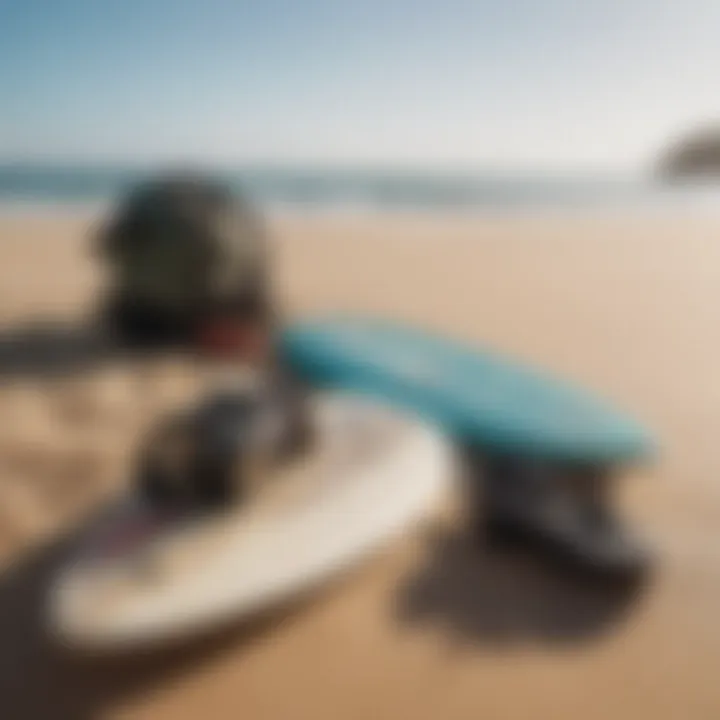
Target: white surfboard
x,y
139,577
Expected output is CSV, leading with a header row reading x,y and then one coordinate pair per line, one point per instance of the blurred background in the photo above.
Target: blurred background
x,y
378,104
535,175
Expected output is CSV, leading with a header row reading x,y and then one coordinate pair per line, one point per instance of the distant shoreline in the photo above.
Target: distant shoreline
x,y
662,202
360,188
34,189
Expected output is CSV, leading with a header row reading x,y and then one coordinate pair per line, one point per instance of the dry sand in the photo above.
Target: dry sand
x,y
627,305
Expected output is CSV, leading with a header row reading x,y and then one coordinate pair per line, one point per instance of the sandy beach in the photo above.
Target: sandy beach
x,y
626,304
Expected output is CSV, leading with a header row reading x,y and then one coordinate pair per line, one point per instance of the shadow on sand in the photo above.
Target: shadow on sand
x,y
48,347
497,599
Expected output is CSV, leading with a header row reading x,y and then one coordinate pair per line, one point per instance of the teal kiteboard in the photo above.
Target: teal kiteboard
x,y
542,451
477,396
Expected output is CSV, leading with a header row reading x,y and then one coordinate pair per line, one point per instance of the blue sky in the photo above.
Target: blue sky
x,y
504,84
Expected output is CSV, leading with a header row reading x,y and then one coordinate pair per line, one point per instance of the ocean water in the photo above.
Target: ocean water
x,y
309,189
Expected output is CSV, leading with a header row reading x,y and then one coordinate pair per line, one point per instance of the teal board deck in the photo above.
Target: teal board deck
x,y
475,395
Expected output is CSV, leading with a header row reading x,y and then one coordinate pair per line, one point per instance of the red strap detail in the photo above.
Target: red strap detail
x,y
229,338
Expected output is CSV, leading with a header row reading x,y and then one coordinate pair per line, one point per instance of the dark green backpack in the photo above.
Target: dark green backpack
x,y
185,245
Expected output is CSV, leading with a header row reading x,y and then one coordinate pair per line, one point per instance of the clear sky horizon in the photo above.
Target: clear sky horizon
x,y
520,84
